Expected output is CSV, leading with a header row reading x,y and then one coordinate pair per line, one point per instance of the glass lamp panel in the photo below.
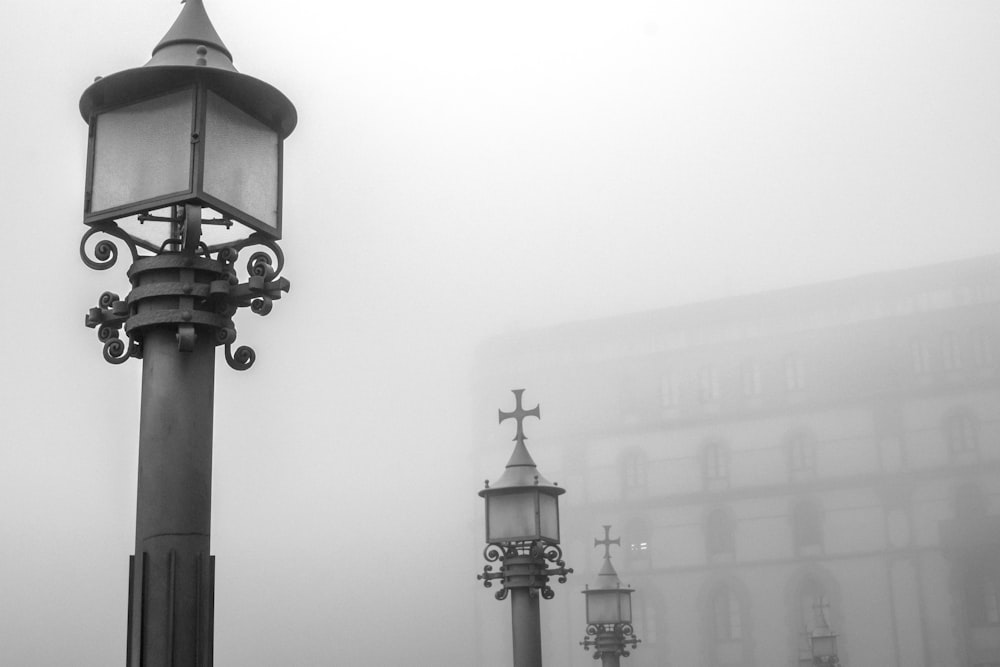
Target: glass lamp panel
x,y
241,161
603,606
511,516
548,517
824,645
625,603
142,151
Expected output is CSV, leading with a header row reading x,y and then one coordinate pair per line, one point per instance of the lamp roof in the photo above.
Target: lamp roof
x,y
192,50
521,472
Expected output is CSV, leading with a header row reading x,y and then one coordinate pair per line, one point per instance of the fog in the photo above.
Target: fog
x,y
459,172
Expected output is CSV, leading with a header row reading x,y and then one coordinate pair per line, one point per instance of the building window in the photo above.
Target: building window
x,y
720,539
982,347
633,473
715,463
962,433
982,593
951,351
807,525
668,390
920,356
652,616
727,617
708,385
795,378
801,454
970,502
750,376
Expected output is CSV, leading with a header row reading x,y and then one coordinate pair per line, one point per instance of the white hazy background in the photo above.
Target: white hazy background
x,y
460,169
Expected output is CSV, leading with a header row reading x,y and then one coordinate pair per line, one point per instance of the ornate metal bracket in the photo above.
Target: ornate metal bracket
x,y
182,286
611,639
524,565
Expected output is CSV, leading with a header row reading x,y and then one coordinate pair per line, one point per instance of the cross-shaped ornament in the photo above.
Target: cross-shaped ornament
x,y
607,542
519,414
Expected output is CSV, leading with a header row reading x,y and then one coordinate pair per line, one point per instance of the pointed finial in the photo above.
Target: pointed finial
x,y
192,29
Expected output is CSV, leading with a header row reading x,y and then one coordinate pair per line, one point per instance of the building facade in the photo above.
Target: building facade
x,y
831,448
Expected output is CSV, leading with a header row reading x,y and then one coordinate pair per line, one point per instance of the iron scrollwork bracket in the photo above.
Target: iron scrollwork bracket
x,y
205,292
610,639
524,565
108,318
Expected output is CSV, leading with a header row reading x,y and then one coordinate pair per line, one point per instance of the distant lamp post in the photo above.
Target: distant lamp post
x,y
823,640
522,532
609,611
184,168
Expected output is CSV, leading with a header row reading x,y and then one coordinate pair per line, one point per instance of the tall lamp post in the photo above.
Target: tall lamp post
x,y
609,611
184,168
823,640
522,533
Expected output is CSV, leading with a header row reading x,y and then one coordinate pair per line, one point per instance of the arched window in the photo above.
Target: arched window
x,y
961,431
981,582
750,378
708,384
920,356
720,537
982,347
633,465
807,526
715,464
951,351
795,375
801,454
727,625
970,502
727,616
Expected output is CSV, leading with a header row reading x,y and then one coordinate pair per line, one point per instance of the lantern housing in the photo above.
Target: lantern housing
x,y
186,128
522,506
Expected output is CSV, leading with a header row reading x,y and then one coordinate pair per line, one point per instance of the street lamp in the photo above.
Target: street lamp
x,y
184,168
609,611
522,532
823,640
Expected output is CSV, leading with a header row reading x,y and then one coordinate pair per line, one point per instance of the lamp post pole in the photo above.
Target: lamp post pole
x,y
172,142
522,534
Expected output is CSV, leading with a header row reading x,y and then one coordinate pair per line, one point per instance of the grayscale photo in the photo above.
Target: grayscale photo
x,y
449,334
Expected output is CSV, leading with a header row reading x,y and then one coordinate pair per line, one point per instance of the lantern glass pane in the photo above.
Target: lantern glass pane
x,y
511,516
548,517
824,645
603,606
142,151
241,161
625,600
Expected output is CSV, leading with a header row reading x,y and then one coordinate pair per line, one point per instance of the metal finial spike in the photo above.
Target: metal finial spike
x,y
518,414
193,26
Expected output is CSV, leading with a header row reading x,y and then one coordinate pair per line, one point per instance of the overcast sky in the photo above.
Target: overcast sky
x,y
460,169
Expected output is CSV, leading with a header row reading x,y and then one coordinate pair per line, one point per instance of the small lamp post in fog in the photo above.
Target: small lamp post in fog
x,y
184,168
522,533
823,640
609,611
